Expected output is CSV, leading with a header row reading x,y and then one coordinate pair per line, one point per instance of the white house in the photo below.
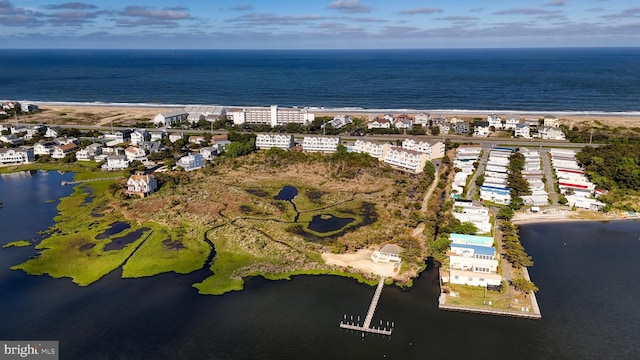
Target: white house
x,y
281,141
61,151
170,118
495,121
196,139
157,135
173,137
116,162
20,155
550,121
378,123
210,152
90,152
320,143
551,133
511,123
340,121
191,162
139,136
141,185
406,159
461,128
522,130
481,129
272,115
422,119
52,132
373,148
473,261
388,253
135,153
403,123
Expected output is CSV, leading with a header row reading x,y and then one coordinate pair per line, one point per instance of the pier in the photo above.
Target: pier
x,y
366,326
88,180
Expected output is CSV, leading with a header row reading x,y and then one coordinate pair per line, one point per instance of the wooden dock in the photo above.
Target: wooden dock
x,y
74,182
366,326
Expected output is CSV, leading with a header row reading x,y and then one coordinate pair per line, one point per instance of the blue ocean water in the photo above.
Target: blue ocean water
x,y
572,79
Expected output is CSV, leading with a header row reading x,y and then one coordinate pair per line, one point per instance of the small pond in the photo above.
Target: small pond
x,y
328,223
121,242
116,227
287,193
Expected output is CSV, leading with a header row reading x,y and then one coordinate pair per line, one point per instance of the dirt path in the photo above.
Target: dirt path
x,y
360,260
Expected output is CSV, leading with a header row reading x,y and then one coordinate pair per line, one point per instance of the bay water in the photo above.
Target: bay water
x,y
586,272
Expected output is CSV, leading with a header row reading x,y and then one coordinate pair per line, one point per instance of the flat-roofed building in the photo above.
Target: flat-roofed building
x,y
320,143
272,116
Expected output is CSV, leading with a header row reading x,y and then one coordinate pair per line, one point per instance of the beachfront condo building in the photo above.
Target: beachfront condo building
x,y
272,116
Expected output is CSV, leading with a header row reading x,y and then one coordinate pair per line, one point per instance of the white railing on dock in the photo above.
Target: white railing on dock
x,y
366,326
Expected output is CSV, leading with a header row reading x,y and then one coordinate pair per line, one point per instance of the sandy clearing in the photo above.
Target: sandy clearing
x,y
361,261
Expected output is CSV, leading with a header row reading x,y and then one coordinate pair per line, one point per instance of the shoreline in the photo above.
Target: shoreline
x,y
347,109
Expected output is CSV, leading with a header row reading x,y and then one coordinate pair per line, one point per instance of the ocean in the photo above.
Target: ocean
x,y
586,273
557,80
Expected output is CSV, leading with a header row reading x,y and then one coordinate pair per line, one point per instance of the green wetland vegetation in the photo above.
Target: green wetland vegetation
x,y
230,206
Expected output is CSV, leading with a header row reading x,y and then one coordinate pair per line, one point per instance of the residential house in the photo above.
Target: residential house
x,y
157,135
220,141
551,133
151,147
550,121
410,160
511,123
196,139
320,143
522,130
89,153
422,119
19,155
66,140
379,123
170,118
209,113
481,129
118,137
403,123
461,128
10,139
495,121
116,162
141,185
52,132
10,105
28,107
473,261
191,162
340,121
173,137
388,253
533,123
373,148
134,153
44,147
210,152
61,151
139,136
281,141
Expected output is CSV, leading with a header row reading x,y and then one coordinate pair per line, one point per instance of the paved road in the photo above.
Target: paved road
x,y
548,174
480,170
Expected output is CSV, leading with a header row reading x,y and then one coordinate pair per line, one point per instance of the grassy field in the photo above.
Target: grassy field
x,y
233,204
479,297
18,243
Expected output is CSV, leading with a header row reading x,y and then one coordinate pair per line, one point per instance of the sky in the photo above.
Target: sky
x,y
318,24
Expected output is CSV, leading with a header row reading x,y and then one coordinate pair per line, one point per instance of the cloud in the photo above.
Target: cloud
x,y
423,10
6,8
523,11
628,13
245,7
475,10
596,9
71,6
556,3
74,18
20,20
268,19
352,6
178,13
459,18
366,20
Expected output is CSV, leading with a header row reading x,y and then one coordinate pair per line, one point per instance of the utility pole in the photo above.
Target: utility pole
x,y
590,136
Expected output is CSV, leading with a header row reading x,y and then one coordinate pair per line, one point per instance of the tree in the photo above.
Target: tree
x,y
435,130
505,213
524,286
480,180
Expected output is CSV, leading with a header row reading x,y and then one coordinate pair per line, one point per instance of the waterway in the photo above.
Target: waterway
x,y
588,297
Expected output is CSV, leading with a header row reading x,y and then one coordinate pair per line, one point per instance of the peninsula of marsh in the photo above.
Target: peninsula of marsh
x,y
270,214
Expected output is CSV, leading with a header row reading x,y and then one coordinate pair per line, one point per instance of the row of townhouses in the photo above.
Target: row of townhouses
x,y
411,156
532,172
494,188
466,159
